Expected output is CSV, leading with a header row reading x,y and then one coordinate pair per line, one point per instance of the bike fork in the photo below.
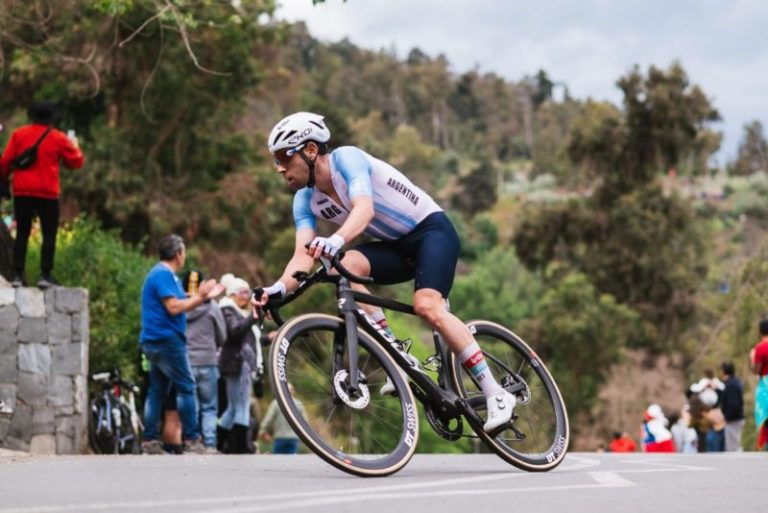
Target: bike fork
x,y
346,306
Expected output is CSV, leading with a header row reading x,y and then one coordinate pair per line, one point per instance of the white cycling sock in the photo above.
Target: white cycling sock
x,y
474,361
380,319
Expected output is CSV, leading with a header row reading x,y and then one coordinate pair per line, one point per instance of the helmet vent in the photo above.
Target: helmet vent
x,y
277,137
318,125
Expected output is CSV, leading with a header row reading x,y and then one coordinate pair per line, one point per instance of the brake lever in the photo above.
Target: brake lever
x,y
256,293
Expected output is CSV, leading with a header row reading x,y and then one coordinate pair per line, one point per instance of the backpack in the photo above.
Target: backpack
x,y
27,158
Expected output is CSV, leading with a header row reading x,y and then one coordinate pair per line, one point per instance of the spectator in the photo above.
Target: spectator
x,y
715,437
656,436
622,442
275,427
758,358
709,388
171,425
685,437
36,188
206,332
733,407
237,361
163,340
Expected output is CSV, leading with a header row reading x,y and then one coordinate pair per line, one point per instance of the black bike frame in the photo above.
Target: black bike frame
x,y
439,398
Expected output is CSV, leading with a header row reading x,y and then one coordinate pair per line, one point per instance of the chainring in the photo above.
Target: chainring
x,y
442,429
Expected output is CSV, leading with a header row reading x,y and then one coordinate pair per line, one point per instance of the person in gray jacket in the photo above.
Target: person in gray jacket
x,y
237,361
206,332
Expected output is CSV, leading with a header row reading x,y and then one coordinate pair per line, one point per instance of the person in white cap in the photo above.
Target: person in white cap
x,y
237,360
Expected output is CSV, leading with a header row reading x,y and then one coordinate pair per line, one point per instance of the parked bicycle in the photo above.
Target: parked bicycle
x,y
337,365
114,426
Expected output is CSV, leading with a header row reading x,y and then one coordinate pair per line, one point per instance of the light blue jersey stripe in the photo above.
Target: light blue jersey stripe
x,y
402,219
302,210
390,232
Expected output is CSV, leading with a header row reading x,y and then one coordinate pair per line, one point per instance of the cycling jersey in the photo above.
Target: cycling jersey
x,y
399,205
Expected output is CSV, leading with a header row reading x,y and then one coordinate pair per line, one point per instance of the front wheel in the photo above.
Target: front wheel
x,y
360,432
538,438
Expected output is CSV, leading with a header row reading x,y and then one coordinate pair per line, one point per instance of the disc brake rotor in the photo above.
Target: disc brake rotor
x,y
341,386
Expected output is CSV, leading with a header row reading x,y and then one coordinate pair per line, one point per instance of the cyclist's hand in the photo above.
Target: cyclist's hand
x,y
325,246
276,289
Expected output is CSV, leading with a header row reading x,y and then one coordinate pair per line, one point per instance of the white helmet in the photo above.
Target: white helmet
x,y
298,128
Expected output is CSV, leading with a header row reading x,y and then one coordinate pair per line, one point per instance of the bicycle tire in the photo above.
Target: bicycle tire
x,y
101,442
542,416
131,444
387,427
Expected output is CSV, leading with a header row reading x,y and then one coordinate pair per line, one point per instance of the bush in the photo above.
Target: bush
x,y
113,273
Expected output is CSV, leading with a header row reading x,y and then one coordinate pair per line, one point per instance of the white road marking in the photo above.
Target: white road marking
x,y
610,479
572,463
604,479
667,467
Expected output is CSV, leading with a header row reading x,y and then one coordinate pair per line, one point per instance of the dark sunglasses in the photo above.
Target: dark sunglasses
x,y
282,158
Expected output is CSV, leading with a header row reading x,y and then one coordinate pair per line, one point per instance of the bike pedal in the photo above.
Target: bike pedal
x,y
509,425
432,363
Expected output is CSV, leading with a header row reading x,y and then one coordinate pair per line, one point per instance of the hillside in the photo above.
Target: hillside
x,y
596,230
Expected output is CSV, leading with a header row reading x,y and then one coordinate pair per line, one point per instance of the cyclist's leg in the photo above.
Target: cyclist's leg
x,y
436,251
381,261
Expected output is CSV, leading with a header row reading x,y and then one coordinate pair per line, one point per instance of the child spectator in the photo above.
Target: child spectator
x,y
656,436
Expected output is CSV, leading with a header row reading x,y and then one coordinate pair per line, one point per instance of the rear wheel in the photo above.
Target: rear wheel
x,y
538,438
363,432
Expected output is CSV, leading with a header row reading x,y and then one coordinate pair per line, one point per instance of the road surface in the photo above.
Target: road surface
x,y
588,482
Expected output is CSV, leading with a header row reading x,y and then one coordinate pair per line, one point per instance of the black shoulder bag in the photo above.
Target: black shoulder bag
x,y
27,158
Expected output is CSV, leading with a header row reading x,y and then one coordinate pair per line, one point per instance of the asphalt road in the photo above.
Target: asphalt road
x,y
594,483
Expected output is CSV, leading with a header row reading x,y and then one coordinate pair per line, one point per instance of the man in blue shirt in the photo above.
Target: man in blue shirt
x,y
163,341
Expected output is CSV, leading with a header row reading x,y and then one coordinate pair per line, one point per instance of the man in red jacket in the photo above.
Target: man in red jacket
x,y
36,189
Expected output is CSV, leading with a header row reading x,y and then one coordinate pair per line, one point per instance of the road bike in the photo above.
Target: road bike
x,y
334,366
114,426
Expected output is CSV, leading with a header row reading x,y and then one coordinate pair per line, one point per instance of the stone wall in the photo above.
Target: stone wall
x,y
44,369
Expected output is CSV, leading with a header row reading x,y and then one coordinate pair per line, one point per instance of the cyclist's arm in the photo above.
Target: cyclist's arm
x,y
356,171
359,218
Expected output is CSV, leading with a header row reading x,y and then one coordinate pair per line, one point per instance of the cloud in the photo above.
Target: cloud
x,y
587,44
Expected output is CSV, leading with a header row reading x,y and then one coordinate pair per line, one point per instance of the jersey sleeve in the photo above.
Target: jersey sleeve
x,y
356,170
302,210
165,285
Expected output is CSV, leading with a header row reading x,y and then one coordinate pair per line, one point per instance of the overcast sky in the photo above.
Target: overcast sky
x,y
588,44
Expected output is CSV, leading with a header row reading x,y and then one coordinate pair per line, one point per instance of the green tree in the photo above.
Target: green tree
x,y
154,90
477,190
753,151
580,333
632,241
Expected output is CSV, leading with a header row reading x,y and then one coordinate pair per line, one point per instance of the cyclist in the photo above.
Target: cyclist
x,y
417,241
